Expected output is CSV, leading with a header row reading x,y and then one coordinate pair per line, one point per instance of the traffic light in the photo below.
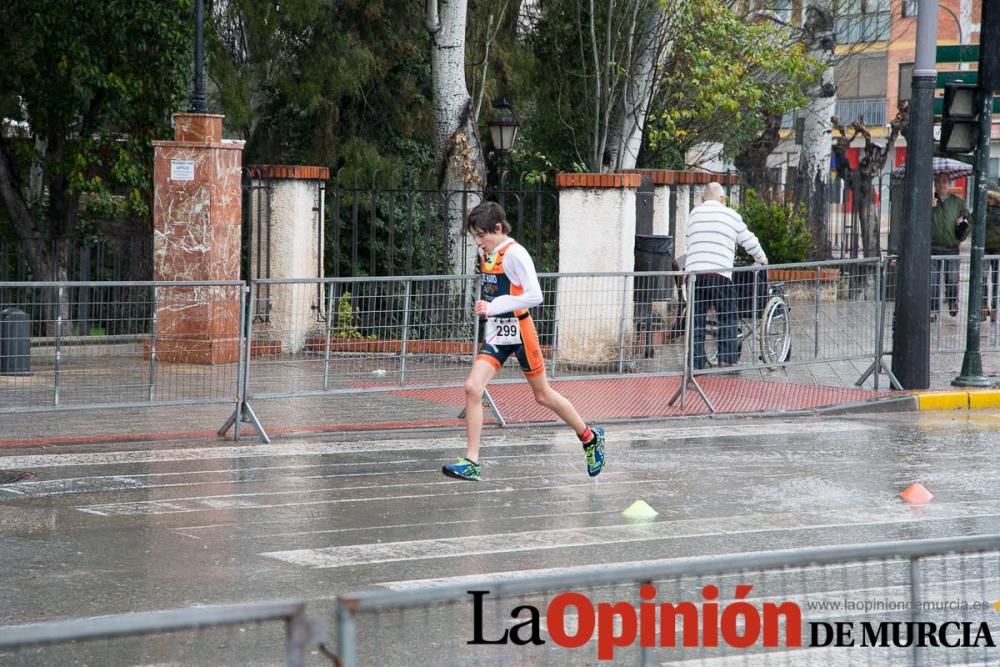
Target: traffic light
x,y
960,118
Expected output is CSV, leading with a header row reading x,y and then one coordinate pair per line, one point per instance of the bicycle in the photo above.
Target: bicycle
x,y
773,322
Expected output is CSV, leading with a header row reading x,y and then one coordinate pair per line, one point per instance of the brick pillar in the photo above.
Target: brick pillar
x,y
196,226
596,234
286,241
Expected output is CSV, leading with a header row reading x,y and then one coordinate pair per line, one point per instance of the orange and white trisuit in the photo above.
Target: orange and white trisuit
x,y
513,331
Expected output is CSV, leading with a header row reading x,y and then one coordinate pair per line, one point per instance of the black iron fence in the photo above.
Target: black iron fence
x,y
389,232
378,231
122,258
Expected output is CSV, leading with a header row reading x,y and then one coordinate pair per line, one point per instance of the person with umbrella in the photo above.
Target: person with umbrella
x,y
949,227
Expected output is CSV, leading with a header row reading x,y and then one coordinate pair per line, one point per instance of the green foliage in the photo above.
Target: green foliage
x,y
338,84
720,76
726,74
94,80
780,228
345,324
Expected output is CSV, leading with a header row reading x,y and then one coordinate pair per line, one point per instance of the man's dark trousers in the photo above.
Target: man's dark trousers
x,y
715,290
944,271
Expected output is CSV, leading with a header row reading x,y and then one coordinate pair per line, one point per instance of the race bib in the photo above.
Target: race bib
x,y
502,331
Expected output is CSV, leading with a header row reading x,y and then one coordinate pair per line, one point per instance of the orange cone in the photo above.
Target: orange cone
x,y
916,494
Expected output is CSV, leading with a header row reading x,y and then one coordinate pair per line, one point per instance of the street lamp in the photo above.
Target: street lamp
x,y
503,131
198,103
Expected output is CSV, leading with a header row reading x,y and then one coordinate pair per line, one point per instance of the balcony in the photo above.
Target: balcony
x,y
848,111
871,109
860,28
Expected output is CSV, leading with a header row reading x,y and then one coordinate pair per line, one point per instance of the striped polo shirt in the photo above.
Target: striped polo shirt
x,y
713,230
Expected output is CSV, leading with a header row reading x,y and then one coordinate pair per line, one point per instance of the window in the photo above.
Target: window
x,y
909,8
862,76
905,81
863,21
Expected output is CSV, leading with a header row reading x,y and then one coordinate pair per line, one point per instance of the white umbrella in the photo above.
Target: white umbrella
x,y
940,165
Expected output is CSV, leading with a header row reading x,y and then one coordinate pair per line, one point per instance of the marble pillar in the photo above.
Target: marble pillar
x,y
197,227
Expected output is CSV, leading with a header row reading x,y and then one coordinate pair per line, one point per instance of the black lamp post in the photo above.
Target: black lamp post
x,y
198,103
503,132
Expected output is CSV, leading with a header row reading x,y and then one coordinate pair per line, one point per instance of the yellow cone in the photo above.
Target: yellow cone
x,y
640,509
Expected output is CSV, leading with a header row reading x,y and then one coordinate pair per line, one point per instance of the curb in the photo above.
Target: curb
x,y
983,399
895,404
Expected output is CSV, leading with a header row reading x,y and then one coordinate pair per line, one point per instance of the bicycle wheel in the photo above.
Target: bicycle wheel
x,y
775,332
711,341
743,330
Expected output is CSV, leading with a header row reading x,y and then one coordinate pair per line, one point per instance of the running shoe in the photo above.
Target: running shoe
x,y
594,451
466,469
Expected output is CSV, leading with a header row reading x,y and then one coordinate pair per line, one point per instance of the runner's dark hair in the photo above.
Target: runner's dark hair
x,y
485,217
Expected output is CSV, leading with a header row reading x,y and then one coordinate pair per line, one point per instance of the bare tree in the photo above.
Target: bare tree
x,y
860,180
645,45
458,149
812,175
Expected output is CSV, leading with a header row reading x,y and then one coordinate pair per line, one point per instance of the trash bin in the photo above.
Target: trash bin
x,y
653,253
15,342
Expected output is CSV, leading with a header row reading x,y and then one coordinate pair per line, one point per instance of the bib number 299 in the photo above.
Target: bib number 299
x,y
502,331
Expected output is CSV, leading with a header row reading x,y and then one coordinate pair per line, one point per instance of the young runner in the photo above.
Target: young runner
x,y
509,287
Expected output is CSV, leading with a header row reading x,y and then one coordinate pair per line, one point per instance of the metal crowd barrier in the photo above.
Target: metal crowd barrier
x,y
131,638
921,602
124,344
119,344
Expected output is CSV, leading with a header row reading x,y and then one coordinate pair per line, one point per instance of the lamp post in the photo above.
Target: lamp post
x,y
980,96
911,331
198,103
503,132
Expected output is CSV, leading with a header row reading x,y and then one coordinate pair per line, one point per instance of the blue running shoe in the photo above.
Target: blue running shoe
x,y
466,469
594,451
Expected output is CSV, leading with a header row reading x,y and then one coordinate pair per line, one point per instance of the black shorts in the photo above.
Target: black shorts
x,y
529,352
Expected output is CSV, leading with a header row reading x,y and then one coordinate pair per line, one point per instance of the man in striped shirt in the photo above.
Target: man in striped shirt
x,y
713,230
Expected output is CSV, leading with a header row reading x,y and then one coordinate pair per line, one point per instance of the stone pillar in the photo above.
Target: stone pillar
x,y
286,241
196,236
596,235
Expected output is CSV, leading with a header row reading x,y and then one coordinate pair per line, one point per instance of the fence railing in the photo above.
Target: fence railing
x,y
120,258
162,343
195,637
141,344
898,603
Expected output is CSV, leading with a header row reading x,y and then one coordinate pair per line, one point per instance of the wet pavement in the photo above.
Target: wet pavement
x,y
115,528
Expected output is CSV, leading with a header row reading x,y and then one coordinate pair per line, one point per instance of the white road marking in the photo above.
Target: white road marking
x,y
247,500
408,550
236,475
188,531
511,439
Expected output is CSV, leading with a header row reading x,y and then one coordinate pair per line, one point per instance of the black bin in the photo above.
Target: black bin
x,y
15,342
653,253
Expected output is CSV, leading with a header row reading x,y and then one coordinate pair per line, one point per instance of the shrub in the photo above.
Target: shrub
x,y
781,229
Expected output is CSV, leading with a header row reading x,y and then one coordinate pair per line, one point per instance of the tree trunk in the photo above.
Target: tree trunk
x,y
867,218
39,259
812,176
625,137
458,149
